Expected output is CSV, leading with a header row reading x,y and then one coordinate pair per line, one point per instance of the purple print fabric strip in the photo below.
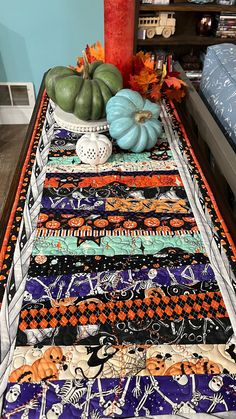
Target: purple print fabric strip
x,y
173,281
123,398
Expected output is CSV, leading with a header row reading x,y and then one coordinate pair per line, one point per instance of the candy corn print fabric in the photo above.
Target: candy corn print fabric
x,y
117,284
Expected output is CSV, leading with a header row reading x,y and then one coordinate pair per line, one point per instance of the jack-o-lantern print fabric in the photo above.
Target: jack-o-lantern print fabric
x,y
119,284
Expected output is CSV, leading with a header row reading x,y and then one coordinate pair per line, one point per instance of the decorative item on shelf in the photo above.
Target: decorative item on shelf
x,y
142,33
155,78
84,93
119,22
72,123
204,25
93,148
133,121
161,24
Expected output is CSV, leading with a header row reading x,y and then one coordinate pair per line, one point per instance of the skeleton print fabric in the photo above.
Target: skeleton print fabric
x,y
128,300
122,397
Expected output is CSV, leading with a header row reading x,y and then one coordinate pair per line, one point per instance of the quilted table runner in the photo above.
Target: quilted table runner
x,y
117,284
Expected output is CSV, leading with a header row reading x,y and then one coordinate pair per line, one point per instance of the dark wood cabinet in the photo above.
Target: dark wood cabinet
x,y
185,38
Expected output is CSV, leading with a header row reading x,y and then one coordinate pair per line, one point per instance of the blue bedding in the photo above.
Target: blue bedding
x,y
218,87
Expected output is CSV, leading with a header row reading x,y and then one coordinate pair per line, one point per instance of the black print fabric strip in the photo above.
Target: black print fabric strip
x,y
42,265
209,331
66,189
61,146
75,219
77,177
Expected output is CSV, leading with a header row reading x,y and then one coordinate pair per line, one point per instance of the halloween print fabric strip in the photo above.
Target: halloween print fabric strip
x,y
94,311
104,361
120,287
117,204
113,246
108,167
67,189
169,257
168,281
145,331
122,397
51,222
131,180
61,160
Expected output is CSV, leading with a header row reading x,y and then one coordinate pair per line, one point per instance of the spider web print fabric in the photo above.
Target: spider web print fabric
x,y
117,284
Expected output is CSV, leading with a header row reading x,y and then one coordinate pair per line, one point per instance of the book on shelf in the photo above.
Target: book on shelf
x,y
227,22
226,31
225,25
225,19
225,28
228,16
226,34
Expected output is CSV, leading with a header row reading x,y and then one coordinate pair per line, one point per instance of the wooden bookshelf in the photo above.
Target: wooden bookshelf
x,y
185,38
187,7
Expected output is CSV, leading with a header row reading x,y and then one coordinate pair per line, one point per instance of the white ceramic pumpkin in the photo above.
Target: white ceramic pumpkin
x,y
93,148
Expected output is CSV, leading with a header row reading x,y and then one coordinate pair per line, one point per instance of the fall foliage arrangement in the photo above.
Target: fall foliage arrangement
x,y
150,82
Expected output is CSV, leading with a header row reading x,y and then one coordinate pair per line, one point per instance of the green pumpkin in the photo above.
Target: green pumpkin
x,y
85,95
133,121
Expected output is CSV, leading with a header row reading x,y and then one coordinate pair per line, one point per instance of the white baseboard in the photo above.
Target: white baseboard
x,y
11,115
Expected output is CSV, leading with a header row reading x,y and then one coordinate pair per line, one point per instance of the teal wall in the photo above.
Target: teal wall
x,y
37,35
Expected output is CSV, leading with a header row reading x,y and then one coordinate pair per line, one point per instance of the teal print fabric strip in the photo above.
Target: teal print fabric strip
x,y
111,246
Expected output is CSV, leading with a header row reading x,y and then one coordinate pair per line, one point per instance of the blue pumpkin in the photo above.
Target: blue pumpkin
x,y
133,121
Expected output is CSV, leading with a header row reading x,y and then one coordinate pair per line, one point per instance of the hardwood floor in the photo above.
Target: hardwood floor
x,y
11,144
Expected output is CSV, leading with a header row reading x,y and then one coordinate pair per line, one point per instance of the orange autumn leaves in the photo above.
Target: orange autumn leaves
x,y
93,52
152,83
176,88
145,79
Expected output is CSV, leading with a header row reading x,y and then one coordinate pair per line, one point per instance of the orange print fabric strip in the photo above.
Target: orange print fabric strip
x,y
93,311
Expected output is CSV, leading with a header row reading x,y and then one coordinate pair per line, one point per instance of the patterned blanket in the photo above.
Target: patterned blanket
x,y
117,284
